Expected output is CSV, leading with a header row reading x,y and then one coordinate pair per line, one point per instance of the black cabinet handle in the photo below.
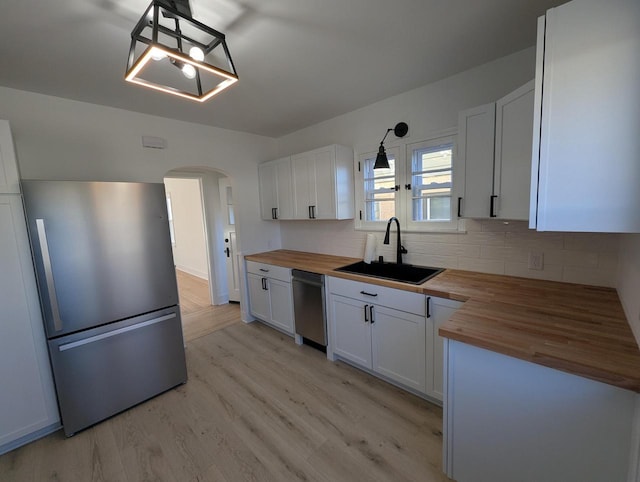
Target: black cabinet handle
x,y
275,211
459,207
492,212
371,314
264,283
313,212
365,313
407,187
227,251
428,306
264,270
310,217
368,294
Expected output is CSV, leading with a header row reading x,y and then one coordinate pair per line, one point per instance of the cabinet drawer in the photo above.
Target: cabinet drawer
x,y
269,271
380,295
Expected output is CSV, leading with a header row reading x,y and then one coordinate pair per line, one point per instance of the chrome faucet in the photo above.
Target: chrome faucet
x,y
400,250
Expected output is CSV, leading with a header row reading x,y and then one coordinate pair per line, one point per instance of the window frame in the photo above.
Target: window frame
x,y
403,154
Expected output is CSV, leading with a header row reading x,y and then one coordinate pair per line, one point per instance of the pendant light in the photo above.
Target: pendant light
x,y
400,130
173,53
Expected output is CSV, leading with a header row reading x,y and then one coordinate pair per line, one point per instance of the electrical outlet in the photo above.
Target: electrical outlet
x,y
536,260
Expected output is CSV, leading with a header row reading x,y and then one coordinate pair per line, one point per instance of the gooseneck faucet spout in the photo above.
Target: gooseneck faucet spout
x,y
400,250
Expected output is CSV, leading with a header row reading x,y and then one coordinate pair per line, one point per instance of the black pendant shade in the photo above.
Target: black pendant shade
x,y
400,130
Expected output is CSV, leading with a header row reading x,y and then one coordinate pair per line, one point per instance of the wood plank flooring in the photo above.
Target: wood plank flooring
x,y
193,292
199,316
256,407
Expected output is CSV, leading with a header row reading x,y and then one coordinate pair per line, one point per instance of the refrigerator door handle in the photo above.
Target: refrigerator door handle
x,y
109,334
48,272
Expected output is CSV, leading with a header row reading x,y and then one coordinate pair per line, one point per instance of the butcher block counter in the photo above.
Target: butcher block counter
x,y
575,328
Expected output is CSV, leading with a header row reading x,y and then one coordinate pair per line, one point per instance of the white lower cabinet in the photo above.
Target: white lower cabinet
x,y
439,310
398,348
370,328
270,295
27,400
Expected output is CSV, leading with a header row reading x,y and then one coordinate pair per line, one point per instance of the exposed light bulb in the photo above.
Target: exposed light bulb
x,y
196,53
189,71
157,54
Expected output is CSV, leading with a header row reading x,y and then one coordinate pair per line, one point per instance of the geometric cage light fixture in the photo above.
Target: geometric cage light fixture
x,y
173,53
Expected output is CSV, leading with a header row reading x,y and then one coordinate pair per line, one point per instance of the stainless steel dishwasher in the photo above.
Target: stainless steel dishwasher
x,y
308,308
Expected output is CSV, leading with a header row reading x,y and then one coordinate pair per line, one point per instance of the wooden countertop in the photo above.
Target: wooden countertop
x,y
575,328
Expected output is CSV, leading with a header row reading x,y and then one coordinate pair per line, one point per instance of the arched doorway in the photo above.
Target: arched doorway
x,y
200,202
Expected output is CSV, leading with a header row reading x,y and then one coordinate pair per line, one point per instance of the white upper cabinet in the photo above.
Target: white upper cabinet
x,y
512,169
476,129
587,119
321,185
9,179
495,154
274,178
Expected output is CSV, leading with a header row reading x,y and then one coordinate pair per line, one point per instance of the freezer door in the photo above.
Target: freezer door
x,y
101,372
102,251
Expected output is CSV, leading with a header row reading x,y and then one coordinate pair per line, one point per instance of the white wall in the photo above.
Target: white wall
x,y
488,246
629,280
62,139
190,250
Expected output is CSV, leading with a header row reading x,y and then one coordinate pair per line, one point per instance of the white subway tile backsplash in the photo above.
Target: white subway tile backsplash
x,y
488,246
567,257
533,239
597,277
493,266
550,272
605,242
482,238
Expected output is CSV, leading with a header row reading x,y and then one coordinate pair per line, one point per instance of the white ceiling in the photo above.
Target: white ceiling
x,y
299,61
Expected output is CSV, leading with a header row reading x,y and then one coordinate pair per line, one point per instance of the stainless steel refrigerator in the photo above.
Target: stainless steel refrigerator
x,y
107,284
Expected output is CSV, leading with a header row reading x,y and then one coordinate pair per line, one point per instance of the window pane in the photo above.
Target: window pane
x,y
431,183
379,191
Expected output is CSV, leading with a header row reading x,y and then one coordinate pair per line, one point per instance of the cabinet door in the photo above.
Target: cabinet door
x,y
475,155
281,301
350,331
301,175
323,183
274,179
27,403
284,193
267,173
398,346
440,310
9,183
589,142
514,135
259,297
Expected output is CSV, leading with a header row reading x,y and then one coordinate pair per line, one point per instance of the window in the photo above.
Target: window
x,y
379,190
431,182
417,188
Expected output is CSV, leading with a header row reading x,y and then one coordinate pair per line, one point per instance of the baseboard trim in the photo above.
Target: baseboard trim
x,y
32,437
193,272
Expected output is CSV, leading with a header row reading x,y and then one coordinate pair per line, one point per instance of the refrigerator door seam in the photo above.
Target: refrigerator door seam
x,y
109,334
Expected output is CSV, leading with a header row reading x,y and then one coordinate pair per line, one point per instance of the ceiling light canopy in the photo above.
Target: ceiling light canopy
x,y
400,130
173,53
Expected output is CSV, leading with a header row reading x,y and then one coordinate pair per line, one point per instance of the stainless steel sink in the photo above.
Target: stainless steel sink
x,y
406,273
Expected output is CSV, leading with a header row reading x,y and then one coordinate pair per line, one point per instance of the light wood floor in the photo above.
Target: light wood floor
x,y
256,408
199,316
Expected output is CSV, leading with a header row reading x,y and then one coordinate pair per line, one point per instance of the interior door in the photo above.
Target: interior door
x,y
229,228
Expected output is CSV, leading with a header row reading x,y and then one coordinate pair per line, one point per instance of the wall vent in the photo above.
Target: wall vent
x,y
154,142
